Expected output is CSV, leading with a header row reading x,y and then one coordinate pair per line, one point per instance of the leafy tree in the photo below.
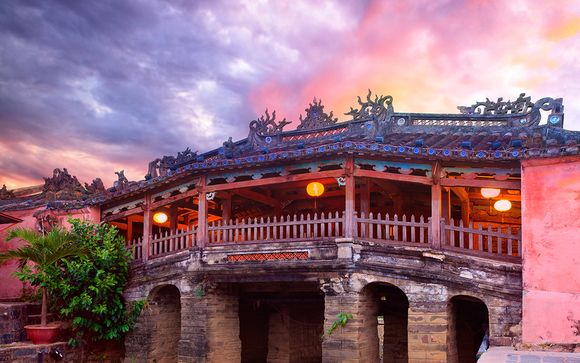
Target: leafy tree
x,y
90,287
46,252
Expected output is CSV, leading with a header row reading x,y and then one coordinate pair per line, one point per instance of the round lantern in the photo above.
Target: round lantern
x,y
315,189
160,217
489,192
502,205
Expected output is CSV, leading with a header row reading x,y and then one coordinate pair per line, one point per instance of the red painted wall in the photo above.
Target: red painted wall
x,y
10,286
551,251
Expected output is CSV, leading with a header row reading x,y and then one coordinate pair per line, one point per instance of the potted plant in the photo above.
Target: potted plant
x,y
44,251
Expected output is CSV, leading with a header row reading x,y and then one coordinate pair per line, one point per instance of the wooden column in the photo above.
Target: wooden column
x,y
465,212
147,226
129,228
446,204
349,197
173,218
435,237
202,214
365,197
227,206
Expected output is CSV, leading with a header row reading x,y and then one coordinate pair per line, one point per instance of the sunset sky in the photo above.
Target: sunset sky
x,y
100,86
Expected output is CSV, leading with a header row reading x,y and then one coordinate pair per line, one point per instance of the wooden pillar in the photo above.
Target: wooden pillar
x,y
446,204
147,227
365,197
349,197
435,237
129,228
227,206
173,218
465,212
202,214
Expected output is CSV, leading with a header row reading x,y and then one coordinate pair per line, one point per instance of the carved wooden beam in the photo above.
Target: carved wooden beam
x,y
387,186
262,198
123,214
174,198
391,176
481,183
275,180
461,194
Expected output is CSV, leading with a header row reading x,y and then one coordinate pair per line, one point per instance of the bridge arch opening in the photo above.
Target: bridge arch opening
x,y
281,322
468,327
385,310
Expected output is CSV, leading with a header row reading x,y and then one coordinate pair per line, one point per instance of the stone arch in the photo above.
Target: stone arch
x,y
384,311
468,323
156,334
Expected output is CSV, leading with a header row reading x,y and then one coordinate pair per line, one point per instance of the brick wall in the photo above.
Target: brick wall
x,y
13,318
223,325
156,334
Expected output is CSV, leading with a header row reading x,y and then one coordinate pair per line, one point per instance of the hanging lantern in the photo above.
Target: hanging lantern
x,y
490,192
315,189
502,205
160,217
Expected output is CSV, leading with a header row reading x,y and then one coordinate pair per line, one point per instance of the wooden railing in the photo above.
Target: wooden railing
x,y
484,239
136,247
498,240
172,241
289,228
374,227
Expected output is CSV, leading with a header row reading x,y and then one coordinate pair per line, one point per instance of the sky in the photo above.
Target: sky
x,y
101,86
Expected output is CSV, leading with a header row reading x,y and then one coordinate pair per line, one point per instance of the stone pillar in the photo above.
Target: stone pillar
x,y
505,318
138,338
427,325
343,344
279,336
193,344
223,325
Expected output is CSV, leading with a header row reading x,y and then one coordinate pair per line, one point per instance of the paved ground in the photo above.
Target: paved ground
x,y
509,355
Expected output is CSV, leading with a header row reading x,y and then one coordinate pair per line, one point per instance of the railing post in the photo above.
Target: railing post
x,y
202,214
436,216
147,227
349,220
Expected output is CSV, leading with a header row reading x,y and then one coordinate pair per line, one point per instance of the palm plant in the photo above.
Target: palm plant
x,y
45,251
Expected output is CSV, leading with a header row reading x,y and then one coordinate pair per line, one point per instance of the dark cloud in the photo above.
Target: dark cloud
x,y
126,81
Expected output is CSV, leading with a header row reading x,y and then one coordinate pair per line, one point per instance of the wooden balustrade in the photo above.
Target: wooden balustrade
x,y
395,229
480,238
172,241
136,247
289,228
500,240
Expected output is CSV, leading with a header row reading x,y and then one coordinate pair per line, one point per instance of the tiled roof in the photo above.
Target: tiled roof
x,y
492,131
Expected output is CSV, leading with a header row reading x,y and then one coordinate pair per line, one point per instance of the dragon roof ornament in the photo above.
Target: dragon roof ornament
x,y
160,166
378,108
316,118
523,105
264,128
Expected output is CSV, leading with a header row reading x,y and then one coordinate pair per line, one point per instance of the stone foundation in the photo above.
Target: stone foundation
x,y
255,312
13,318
